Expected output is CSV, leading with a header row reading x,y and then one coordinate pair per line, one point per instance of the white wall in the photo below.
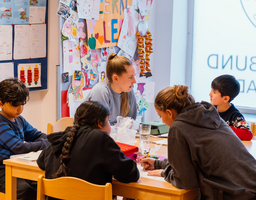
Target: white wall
x,y
168,24
42,106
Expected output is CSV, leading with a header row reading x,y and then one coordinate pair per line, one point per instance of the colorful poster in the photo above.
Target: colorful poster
x,y
30,74
7,70
18,11
6,42
105,31
88,9
128,40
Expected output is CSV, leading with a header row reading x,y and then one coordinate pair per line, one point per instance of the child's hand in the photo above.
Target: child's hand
x,y
156,172
147,163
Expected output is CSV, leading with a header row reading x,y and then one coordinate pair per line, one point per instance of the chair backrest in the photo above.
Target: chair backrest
x,y
2,196
70,188
60,125
221,187
253,129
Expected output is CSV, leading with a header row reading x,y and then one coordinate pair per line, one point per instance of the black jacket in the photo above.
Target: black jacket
x,y
95,157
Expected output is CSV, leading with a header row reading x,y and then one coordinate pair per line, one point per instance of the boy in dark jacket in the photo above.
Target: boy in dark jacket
x,y
224,89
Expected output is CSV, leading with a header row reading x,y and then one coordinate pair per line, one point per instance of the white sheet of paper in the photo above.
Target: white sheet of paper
x,y
88,9
38,41
149,90
6,42
21,42
163,142
7,70
37,15
71,56
144,174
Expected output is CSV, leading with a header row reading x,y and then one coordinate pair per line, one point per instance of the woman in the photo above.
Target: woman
x,y
200,144
86,150
117,94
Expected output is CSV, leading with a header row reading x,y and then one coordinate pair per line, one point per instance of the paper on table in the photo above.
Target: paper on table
x,y
165,135
163,142
144,174
27,157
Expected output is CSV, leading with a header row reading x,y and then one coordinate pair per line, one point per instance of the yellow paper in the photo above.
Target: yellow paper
x,y
105,31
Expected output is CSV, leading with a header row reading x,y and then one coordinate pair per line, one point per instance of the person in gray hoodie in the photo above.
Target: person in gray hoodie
x,y
200,144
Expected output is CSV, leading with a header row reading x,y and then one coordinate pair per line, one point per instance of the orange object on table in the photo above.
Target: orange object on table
x,y
127,149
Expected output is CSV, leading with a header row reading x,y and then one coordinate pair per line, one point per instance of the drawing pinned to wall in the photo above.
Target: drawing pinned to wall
x,y
102,71
88,9
95,57
70,27
7,70
5,15
30,74
63,10
127,40
105,31
6,42
94,77
71,56
65,77
78,82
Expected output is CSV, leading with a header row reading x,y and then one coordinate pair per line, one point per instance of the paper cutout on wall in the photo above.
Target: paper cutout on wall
x,y
63,10
30,74
70,27
105,31
128,40
88,9
65,77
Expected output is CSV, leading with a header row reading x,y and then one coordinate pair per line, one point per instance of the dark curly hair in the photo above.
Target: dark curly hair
x,y
13,91
90,113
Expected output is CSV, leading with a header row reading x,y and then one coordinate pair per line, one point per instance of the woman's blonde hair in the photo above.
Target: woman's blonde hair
x,y
116,65
176,97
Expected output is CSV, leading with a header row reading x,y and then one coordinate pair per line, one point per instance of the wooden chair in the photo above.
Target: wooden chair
x,y
2,196
70,188
221,187
253,129
60,125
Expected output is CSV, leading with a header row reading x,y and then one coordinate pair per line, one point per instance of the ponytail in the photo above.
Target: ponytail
x,y
176,97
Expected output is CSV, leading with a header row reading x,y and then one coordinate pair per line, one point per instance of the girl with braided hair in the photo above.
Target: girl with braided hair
x,y
200,144
86,150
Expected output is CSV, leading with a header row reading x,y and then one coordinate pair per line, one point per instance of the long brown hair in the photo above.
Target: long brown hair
x,y
176,97
90,113
116,65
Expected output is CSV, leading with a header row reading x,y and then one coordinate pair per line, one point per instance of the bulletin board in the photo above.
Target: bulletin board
x,y
42,60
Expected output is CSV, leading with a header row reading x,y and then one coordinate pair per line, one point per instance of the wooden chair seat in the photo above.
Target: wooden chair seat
x,y
253,129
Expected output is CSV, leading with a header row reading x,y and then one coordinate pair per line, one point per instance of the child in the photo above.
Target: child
x,y
117,93
224,89
200,144
87,151
17,136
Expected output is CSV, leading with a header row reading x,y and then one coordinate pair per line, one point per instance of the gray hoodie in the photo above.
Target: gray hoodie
x,y
201,144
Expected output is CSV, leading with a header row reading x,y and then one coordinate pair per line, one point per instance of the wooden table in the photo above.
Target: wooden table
x,y
145,188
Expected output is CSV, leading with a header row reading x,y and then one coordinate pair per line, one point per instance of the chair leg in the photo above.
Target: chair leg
x,y
220,195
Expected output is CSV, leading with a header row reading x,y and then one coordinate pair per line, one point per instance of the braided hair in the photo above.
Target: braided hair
x,y
89,113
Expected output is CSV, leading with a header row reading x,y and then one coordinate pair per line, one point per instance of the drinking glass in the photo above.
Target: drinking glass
x,y
145,138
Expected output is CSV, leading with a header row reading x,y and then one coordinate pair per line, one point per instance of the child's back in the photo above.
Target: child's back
x,y
224,89
86,150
